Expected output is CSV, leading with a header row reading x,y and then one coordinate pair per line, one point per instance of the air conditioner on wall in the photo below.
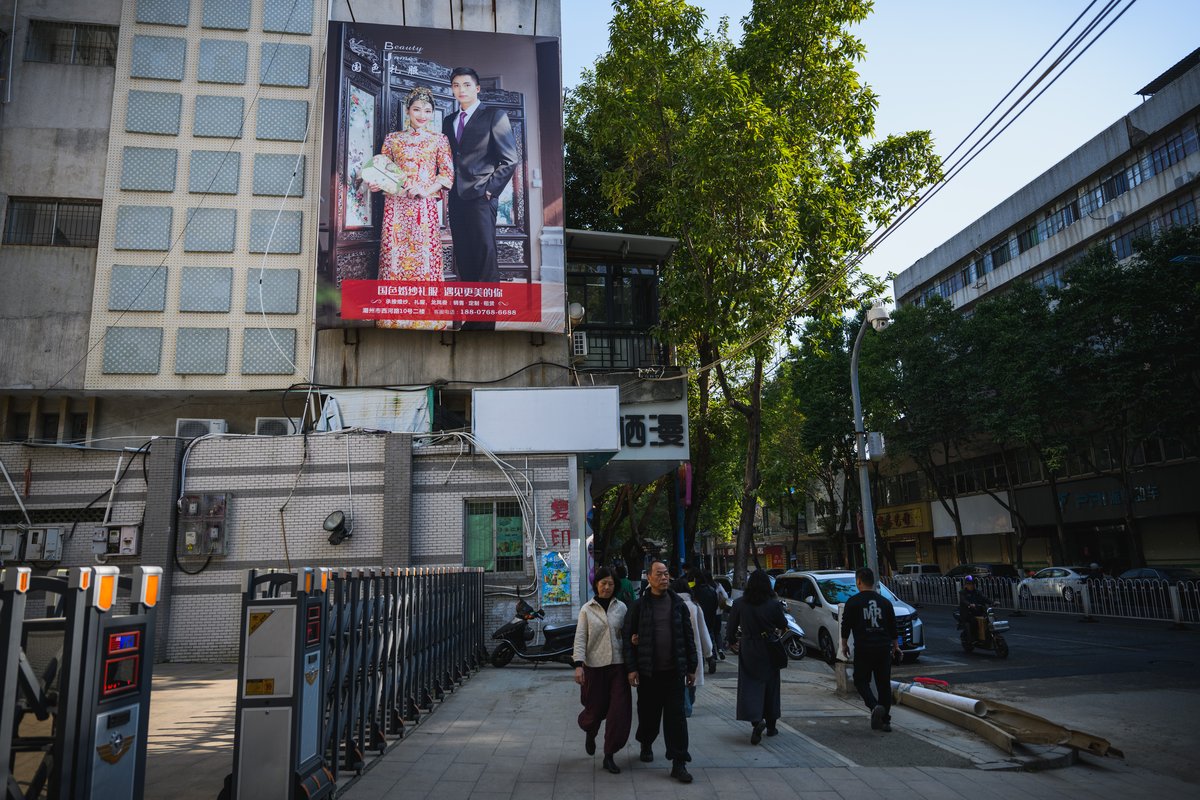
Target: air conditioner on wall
x,y
193,428
274,426
579,344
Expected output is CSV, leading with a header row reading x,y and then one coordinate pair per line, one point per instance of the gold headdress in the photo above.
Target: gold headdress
x,y
419,93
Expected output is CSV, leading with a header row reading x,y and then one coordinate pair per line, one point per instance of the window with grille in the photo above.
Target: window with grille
x,y
495,536
59,223
71,43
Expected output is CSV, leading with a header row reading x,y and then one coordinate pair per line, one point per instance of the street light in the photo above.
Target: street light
x,y
877,318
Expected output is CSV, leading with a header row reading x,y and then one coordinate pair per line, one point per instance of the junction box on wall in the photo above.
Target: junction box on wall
x,y
117,539
19,543
202,525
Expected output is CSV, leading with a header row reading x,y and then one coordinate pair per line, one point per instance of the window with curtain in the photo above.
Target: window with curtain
x,y
494,536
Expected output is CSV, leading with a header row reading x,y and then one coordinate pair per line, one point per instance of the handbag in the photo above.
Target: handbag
x,y
776,653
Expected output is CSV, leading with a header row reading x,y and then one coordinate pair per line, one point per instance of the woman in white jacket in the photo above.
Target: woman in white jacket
x,y
704,644
600,671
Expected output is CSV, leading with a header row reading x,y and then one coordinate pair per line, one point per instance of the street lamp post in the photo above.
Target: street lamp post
x,y
876,317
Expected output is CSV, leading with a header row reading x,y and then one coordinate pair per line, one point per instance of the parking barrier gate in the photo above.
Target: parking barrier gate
x,y
392,642
94,691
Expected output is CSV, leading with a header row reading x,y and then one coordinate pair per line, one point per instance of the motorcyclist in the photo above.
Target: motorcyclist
x,y
973,606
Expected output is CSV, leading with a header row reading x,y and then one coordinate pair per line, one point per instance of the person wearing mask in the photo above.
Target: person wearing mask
x,y
973,606
870,617
600,671
756,615
704,647
660,656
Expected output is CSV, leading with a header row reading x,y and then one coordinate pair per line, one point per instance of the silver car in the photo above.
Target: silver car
x,y
814,598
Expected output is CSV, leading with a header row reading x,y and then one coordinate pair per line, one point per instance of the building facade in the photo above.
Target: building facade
x,y
1135,178
184,382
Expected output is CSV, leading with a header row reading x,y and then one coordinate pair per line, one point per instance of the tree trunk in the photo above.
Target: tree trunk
x,y
701,447
1060,535
750,475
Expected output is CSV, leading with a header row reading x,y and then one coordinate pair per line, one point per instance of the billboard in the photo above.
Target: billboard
x,y
442,181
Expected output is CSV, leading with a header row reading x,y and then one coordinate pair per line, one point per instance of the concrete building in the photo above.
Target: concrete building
x,y
178,191
1136,177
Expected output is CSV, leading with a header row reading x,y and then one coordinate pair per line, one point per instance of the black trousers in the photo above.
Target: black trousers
x,y
473,229
873,664
660,702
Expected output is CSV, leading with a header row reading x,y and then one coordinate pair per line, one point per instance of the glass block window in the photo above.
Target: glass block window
x,y
71,43
133,351
52,223
218,116
278,175
284,64
201,351
494,536
272,291
134,288
230,15
269,351
288,16
276,231
222,61
163,12
148,169
214,172
210,230
158,57
143,228
206,289
281,120
154,112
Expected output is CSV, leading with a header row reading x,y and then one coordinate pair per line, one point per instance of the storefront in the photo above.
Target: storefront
x,y
906,533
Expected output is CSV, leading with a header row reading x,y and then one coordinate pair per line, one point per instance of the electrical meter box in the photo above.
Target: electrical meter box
x,y
117,539
11,545
43,544
202,525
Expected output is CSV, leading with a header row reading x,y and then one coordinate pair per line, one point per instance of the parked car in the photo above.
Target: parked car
x,y
813,599
1170,575
919,570
1056,582
980,570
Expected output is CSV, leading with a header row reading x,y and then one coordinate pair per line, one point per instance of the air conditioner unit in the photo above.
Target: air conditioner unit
x,y
1116,217
194,428
579,344
274,426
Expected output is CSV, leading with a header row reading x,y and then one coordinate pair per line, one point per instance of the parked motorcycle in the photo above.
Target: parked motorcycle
x,y
969,633
516,639
793,637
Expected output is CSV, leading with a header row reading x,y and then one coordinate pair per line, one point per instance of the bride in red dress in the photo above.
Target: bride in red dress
x,y
411,246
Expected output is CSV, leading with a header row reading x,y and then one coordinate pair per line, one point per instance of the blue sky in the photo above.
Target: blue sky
x,y
942,64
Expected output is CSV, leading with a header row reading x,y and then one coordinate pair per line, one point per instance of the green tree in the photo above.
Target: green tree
x,y
926,389
756,157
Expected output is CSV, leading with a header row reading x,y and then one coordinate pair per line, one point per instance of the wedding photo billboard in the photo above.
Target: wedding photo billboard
x,y
442,181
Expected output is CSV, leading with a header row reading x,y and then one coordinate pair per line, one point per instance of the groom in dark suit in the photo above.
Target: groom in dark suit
x,y
485,157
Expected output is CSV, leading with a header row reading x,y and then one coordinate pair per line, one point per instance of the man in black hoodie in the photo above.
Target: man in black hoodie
x,y
660,655
872,619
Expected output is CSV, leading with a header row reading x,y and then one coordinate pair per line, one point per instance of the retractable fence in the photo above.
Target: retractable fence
x,y
1140,598
75,676
336,664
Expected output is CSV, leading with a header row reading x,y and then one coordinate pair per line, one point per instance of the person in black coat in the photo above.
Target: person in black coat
x,y
755,615
660,655
485,158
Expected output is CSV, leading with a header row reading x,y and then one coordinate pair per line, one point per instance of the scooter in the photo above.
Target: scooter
x,y
516,637
793,637
992,640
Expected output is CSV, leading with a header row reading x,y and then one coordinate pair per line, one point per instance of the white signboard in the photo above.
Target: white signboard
x,y
564,419
654,431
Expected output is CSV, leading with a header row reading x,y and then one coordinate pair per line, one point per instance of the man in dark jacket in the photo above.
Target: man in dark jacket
x,y
660,654
872,619
972,608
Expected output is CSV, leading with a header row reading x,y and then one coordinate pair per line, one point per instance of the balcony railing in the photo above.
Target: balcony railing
x,y
622,349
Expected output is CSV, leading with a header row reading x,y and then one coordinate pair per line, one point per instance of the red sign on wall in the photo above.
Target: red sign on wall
x,y
430,300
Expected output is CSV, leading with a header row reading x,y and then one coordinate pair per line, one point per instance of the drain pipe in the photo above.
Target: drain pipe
x,y
12,48
16,494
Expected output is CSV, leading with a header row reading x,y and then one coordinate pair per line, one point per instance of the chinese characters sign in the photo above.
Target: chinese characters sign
x,y
900,520
654,431
416,300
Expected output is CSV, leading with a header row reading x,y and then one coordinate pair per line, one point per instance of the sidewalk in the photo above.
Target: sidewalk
x,y
511,733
